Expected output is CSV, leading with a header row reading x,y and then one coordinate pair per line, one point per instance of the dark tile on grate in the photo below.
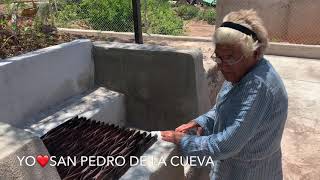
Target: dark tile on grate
x,y
84,137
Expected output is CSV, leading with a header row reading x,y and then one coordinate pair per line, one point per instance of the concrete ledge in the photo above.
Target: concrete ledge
x,y
131,35
281,49
152,168
16,143
37,80
99,104
294,50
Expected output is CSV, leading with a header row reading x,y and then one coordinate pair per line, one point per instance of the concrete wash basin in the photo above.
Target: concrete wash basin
x,y
144,87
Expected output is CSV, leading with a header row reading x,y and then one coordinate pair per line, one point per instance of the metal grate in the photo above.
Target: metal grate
x,y
83,137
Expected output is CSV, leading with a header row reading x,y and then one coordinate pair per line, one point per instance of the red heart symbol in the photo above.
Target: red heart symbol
x,y
42,160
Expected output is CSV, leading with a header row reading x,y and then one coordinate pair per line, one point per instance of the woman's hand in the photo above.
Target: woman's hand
x,y
190,125
172,136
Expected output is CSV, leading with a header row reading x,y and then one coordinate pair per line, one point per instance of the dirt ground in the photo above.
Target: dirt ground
x,y
199,28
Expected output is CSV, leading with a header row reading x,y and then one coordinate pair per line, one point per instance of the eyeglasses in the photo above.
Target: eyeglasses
x,y
229,62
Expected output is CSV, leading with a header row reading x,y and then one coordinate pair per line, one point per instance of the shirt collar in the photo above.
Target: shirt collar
x,y
250,73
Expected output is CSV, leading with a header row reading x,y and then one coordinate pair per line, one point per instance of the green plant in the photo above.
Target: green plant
x,y
187,12
162,19
10,7
208,15
3,22
44,20
67,14
114,15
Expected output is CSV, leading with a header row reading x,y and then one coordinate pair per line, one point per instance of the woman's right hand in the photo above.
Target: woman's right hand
x,y
190,125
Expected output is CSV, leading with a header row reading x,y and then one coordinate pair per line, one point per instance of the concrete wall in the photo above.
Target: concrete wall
x,y
304,21
98,104
16,143
285,20
35,81
164,87
294,50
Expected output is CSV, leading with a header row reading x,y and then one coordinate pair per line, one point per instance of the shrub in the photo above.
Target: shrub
x,y
67,15
162,19
187,12
116,15
110,15
208,15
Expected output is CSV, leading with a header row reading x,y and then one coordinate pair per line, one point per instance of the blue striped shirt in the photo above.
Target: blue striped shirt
x,y
243,131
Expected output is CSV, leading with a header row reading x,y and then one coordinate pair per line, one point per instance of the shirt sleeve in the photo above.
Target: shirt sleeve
x,y
207,120
247,109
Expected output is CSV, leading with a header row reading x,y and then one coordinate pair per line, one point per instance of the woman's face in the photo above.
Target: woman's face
x,y
231,61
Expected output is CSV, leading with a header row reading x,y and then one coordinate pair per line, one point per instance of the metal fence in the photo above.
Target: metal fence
x,y
292,21
158,16
105,15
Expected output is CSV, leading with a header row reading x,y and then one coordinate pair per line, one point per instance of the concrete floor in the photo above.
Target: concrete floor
x,y
301,139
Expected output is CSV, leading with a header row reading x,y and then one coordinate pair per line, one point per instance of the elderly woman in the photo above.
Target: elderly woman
x,y
243,131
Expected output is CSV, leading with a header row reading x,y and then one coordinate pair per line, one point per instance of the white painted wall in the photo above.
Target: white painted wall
x,y
37,80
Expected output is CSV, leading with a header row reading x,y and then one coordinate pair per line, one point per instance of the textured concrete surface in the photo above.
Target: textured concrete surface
x,y
301,139
16,143
304,24
37,80
294,50
130,35
157,163
164,87
99,104
292,20
273,12
213,77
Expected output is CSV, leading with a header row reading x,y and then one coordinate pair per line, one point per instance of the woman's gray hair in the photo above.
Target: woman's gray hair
x,y
249,19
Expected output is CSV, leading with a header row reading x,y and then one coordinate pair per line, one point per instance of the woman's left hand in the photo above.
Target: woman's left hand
x,y
172,136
